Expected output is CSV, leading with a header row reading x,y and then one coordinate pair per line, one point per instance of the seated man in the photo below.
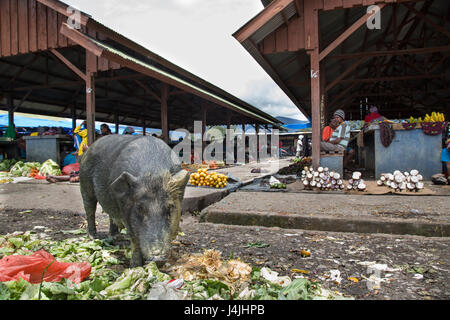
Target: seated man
x,y
328,130
340,138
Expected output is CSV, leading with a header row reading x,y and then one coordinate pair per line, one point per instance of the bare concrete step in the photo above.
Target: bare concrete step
x,y
424,216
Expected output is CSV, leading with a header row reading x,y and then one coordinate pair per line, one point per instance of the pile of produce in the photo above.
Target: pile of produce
x,y
216,164
322,179
17,169
435,117
398,181
193,166
195,277
203,178
50,167
297,167
24,169
356,182
7,164
276,184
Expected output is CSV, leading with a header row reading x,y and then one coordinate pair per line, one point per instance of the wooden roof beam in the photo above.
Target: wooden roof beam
x,y
390,52
348,32
427,20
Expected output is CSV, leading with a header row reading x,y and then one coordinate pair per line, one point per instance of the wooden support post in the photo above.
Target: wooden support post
x,y
228,119
116,122
73,112
164,112
10,103
257,142
313,35
204,114
91,68
90,107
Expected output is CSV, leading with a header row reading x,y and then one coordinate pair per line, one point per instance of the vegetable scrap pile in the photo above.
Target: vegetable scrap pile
x,y
200,276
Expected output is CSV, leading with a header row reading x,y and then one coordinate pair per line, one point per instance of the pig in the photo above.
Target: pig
x,y
139,183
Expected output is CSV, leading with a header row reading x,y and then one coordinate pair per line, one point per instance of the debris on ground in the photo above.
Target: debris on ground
x,y
203,276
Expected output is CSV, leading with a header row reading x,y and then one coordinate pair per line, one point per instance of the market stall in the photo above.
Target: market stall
x,y
410,148
9,148
42,148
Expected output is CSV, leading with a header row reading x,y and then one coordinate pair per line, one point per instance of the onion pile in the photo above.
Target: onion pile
x,y
322,179
398,181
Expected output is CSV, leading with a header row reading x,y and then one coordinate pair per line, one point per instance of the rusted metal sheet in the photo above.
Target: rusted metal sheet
x,y
5,23
286,38
32,25
14,27
23,25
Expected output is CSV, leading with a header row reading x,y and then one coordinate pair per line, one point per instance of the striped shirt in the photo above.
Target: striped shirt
x,y
343,132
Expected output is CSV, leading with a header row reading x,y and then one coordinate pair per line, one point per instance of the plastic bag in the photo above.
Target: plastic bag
x,y
273,181
167,291
67,170
30,268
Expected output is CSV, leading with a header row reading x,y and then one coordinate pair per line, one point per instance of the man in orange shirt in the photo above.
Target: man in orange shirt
x,y
328,130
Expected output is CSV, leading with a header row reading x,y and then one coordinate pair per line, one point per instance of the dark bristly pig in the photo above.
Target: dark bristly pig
x,y
140,184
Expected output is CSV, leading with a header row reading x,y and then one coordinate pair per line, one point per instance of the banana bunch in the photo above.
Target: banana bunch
x,y
435,117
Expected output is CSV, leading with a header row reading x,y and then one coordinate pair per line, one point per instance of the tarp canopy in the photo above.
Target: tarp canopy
x,y
298,126
35,122
30,122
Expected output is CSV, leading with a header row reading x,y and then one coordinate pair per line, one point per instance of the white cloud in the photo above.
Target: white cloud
x,y
197,36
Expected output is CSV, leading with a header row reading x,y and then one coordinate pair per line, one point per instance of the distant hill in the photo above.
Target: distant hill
x,y
287,120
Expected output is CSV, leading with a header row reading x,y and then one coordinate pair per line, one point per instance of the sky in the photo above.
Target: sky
x,y
197,36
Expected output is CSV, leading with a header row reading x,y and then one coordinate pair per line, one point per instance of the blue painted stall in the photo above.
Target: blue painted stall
x,y
410,149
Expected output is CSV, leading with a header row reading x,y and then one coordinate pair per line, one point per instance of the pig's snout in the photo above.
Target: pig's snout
x,y
160,261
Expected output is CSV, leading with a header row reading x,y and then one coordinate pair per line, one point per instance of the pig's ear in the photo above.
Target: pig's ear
x,y
123,184
177,184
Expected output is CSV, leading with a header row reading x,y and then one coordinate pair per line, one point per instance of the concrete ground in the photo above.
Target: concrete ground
x,y
416,215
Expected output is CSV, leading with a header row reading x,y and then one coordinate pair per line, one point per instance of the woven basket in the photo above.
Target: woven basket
x,y
409,126
433,128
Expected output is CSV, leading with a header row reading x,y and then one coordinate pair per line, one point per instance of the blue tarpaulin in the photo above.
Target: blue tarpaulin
x,y
31,122
21,121
298,126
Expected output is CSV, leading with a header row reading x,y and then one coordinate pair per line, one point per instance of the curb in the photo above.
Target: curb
x,y
326,223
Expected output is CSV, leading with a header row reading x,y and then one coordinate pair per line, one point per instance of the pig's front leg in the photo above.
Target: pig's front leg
x,y
90,206
136,256
113,229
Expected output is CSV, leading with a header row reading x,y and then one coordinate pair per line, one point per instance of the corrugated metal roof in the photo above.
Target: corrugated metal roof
x,y
331,24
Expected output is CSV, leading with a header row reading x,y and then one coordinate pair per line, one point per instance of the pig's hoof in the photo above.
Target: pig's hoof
x,y
92,235
136,261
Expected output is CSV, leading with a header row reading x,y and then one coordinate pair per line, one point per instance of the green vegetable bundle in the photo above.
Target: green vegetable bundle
x,y
278,186
21,169
7,164
50,167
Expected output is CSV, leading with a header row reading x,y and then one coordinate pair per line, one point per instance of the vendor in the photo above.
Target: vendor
x,y
374,115
129,131
105,130
328,130
340,138
80,137
444,178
